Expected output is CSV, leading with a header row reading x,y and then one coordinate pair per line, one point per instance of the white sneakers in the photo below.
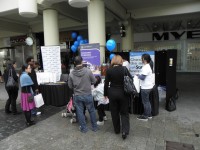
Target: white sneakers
x,y
100,123
105,118
38,113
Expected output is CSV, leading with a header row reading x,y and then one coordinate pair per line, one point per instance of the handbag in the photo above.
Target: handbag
x,y
10,82
38,99
30,97
171,105
129,87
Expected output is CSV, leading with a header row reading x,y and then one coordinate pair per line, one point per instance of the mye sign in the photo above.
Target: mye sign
x,y
176,35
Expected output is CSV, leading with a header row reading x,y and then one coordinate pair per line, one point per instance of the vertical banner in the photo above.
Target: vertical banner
x,y
51,60
91,57
136,61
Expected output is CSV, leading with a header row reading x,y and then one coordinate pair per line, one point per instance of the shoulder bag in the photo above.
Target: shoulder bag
x,y
10,82
129,87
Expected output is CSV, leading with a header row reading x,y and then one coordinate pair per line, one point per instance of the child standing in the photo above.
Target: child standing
x,y
97,93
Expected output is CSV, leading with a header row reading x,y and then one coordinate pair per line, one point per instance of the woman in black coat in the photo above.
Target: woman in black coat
x,y
12,91
119,101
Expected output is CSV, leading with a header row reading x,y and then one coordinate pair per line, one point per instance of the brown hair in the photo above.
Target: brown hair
x,y
116,60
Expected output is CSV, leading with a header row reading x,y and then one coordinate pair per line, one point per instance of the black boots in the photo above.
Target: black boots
x,y
124,135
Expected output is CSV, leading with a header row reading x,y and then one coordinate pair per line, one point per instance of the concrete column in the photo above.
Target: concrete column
x,y
50,25
96,25
34,51
127,41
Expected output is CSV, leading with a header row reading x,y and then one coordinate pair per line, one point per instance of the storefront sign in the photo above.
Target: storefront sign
x,y
176,35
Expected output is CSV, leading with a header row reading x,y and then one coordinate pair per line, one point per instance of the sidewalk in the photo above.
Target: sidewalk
x,y
57,133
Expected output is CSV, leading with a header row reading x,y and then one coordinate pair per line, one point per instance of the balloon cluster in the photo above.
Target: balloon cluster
x,y
110,45
78,40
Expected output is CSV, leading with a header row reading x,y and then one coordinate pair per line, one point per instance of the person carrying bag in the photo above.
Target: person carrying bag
x,y
11,86
27,102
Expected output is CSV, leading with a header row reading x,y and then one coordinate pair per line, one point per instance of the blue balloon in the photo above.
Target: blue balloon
x,y
79,38
110,45
76,43
82,42
86,41
111,56
74,35
73,48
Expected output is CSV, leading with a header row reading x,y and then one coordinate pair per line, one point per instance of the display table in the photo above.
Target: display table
x,y
46,77
55,94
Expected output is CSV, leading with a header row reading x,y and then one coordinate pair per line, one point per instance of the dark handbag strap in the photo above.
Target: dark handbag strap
x,y
10,73
31,91
125,71
26,90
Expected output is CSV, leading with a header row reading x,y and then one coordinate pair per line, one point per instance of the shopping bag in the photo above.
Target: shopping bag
x,y
136,82
38,99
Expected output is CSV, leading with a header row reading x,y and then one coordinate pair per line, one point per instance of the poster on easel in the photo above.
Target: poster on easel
x,y
51,60
136,61
91,57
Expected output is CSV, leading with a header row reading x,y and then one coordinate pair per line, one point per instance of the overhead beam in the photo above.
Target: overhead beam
x,y
13,27
116,9
77,14
175,9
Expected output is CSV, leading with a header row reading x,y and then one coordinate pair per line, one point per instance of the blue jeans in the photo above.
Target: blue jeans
x,y
146,102
80,102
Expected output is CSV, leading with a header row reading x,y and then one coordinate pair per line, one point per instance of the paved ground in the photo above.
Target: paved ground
x,y
56,133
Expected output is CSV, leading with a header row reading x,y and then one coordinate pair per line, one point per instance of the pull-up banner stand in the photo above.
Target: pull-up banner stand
x,y
91,57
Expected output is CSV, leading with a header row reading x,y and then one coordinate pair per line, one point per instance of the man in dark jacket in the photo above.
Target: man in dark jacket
x,y
80,80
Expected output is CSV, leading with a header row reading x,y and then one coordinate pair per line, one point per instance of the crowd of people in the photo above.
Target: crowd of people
x,y
80,80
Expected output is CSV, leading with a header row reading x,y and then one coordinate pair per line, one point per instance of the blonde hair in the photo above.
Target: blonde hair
x,y
116,60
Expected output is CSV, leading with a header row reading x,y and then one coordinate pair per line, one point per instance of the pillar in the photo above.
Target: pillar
x,y
127,41
50,25
96,25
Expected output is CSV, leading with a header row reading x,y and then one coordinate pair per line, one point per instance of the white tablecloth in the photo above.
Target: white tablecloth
x,y
46,77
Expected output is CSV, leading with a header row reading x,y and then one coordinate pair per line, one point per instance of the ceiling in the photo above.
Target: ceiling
x,y
146,15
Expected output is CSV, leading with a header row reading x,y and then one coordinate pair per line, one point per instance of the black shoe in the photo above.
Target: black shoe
x,y
28,124
16,113
143,118
7,111
124,135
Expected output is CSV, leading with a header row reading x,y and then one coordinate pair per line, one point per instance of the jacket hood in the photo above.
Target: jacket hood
x,y
79,71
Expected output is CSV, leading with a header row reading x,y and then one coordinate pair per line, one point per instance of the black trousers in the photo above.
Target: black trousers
x,y
12,97
119,107
101,111
27,115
